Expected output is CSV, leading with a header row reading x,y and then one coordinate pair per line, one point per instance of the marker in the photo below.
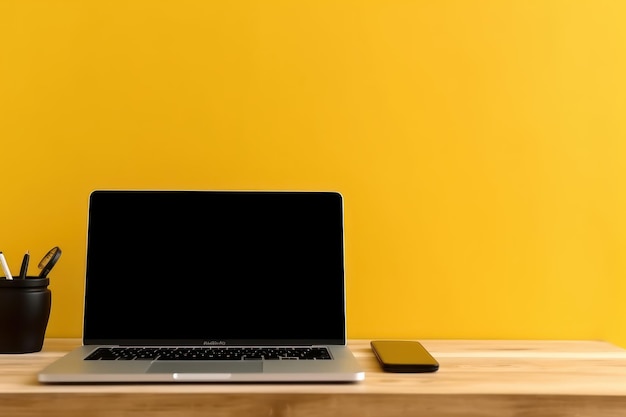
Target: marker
x,y
5,267
24,267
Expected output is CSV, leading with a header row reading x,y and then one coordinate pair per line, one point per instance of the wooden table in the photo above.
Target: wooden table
x,y
476,378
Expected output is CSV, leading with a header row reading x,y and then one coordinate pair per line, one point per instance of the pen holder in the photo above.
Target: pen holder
x,y
24,313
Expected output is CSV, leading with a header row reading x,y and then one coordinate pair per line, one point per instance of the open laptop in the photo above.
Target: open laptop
x,y
212,286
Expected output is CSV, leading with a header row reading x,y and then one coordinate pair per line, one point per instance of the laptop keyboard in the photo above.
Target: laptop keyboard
x,y
208,353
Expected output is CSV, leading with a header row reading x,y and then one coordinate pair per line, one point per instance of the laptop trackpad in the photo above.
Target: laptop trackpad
x,y
205,367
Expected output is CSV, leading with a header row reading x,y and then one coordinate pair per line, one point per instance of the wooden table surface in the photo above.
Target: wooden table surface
x,y
476,378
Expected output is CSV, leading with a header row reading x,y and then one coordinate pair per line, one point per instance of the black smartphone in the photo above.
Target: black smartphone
x,y
403,356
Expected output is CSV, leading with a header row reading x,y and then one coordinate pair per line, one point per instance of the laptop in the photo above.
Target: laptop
x,y
212,286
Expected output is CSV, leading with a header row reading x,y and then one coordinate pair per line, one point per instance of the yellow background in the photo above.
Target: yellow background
x,y
480,145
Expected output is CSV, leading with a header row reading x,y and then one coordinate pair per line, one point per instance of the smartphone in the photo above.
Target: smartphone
x,y
403,356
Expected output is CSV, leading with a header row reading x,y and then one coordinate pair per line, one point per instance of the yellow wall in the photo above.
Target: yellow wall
x,y
480,144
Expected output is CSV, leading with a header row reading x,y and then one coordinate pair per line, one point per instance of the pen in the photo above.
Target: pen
x,y
5,267
24,267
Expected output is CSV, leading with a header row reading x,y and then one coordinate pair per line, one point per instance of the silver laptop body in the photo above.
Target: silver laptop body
x,y
173,273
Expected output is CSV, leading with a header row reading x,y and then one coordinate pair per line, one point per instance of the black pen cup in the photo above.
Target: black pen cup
x,y
24,313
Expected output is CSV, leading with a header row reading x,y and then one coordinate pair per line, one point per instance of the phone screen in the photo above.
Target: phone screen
x,y
403,356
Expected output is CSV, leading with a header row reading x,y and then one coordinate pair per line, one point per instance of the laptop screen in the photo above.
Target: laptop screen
x,y
215,267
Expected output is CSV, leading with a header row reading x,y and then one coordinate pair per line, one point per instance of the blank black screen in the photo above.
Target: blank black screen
x,y
196,266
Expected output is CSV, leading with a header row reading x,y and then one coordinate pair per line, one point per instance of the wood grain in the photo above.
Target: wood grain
x,y
476,378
